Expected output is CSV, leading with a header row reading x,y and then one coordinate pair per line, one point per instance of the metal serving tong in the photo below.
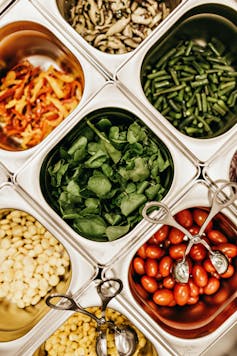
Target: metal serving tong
x,y
125,337
222,198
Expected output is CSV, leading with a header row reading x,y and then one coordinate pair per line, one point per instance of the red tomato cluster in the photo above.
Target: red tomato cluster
x,y
153,262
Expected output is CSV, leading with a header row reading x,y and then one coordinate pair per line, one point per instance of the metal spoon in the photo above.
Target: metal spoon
x,y
125,336
125,340
68,303
218,259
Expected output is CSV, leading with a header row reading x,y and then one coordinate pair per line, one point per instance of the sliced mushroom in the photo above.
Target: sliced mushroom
x,y
129,42
100,38
128,31
140,19
93,11
156,20
118,26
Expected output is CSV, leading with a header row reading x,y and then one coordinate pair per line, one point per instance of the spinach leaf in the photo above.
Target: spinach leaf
x,y
99,184
131,202
92,226
114,232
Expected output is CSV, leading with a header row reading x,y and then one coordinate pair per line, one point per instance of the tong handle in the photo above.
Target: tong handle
x,y
166,217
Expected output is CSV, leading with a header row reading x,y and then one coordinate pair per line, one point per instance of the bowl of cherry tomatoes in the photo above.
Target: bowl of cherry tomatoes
x,y
200,306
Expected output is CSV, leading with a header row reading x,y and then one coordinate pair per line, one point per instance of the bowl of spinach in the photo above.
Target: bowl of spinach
x,y
101,174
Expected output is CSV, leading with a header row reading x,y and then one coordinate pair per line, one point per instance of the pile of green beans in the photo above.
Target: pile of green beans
x,y
194,87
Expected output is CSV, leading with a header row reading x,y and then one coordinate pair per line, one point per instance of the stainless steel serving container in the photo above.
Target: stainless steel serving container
x,y
89,298
22,16
128,75
215,325
113,81
103,252
56,10
18,325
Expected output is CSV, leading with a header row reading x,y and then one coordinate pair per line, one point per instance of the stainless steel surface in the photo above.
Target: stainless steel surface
x,y
114,81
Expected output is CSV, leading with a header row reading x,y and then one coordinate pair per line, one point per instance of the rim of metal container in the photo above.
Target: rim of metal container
x,y
107,62
134,89
23,10
120,268
218,166
89,298
99,250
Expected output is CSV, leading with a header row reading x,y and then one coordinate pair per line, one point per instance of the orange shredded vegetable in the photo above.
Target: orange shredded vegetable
x,y
34,101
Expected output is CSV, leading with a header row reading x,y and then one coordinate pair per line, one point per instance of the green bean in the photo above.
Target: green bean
x,y
219,109
199,103
156,74
223,68
169,90
165,57
175,106
189,47
227,89
204,102
199,83
185,68
232,99
199,69
213,48
174,76
162,84
162,77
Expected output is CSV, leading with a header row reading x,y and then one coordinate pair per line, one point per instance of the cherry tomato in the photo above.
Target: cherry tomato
x,y
141,291
149,284
141,252
209,266
194,289
200,276
194,230
176,236
212,286
169,282
181,293
153,251
216,237
139,265
193,300
165,266
161,234
229,273
184,218
230,250
151,267
177,251
198,252
163,297
200,216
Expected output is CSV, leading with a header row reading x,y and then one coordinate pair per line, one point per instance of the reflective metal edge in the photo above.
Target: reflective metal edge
x,y
218,166
119,269
23,10
101,251
128,78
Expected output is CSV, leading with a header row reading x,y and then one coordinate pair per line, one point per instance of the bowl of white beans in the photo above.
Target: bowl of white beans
x,y
33,264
